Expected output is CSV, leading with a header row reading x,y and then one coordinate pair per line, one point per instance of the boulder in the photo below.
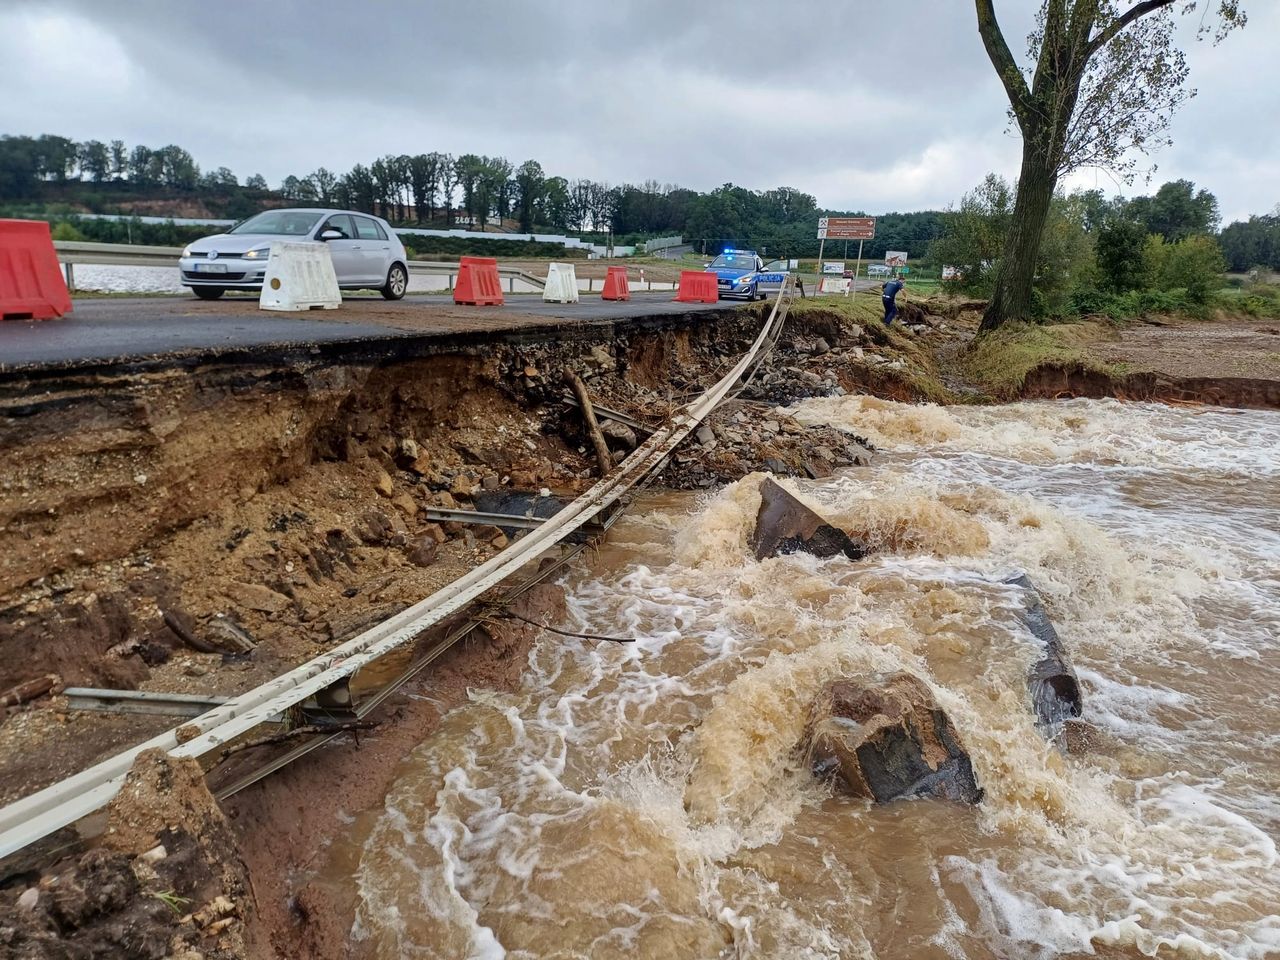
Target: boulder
x,y
1055,691
621,435
785,525
255,596
422,551
883,738
383,484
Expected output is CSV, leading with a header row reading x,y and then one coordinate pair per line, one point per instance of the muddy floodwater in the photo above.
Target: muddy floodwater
x,y
648,799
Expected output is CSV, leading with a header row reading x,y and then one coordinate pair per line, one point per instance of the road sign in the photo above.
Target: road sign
x,y
846,228
833,266
895,258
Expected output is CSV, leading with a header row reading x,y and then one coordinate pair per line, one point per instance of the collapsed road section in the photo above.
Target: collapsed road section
x,y
324,679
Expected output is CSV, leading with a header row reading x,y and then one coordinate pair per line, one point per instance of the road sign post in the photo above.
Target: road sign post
x,y
846,229
857,269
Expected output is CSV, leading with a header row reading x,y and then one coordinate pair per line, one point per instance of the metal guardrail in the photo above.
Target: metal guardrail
x,y
40,814
72,252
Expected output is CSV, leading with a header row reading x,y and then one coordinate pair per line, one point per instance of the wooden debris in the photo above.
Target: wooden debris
x,y
29,690
589,417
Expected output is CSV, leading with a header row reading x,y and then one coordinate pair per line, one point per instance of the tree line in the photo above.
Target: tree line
x,y
1107,254
440,189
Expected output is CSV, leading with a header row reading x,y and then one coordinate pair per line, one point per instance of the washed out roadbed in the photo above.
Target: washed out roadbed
x,y
201,528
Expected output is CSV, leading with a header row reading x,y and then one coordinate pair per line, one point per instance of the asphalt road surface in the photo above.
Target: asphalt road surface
x,y
122,329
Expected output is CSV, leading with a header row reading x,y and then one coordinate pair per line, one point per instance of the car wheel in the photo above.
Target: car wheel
x,y
208,293
397,282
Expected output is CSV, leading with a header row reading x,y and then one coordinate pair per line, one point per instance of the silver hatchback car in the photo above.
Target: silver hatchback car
x,y
366,252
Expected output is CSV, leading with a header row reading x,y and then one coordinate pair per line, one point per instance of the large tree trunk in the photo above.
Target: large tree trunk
x,y
1016,272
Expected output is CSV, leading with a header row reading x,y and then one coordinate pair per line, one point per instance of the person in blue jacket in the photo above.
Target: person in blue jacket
x,y
888,295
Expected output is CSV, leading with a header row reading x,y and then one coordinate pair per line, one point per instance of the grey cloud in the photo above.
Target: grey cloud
x,y
869,105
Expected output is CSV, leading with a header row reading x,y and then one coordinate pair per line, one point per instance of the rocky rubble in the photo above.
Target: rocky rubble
x,y
166,880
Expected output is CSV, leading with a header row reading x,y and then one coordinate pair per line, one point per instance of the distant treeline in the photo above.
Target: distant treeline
x,y
169,234
1252,243
447,248
433,189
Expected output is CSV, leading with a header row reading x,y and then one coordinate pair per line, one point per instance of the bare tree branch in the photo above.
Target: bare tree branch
x,y
1001,56
1133,13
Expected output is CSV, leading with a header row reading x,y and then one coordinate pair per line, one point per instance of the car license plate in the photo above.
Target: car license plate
x,y
209,267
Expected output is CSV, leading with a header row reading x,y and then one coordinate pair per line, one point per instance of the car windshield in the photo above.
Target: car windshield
x,y
735,261
287,223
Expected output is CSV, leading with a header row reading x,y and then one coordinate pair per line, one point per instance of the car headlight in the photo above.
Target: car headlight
x,y
186,251
261,253
743,281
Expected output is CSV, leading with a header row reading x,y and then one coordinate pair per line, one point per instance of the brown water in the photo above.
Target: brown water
x,y
646,800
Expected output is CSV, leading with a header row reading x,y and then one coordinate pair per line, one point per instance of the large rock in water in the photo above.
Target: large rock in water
x,y
884,737
785,525
1055,691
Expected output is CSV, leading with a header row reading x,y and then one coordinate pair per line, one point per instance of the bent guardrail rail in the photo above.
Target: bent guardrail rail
x,y
40,814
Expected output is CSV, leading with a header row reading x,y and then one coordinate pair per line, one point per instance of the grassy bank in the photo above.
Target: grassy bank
x,y
919,373
999,362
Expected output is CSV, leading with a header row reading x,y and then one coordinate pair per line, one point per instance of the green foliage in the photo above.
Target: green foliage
x,y
1193,265
974,236
1100,82
1066,261
427,247
1119,250
1176,211
1253,243
168,234
172,900
1263,307
65,231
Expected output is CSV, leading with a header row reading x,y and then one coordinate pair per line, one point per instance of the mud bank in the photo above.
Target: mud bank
x,y
149,516
1055,382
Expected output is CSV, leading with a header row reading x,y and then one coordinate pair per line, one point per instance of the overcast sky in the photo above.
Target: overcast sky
x,y
877,106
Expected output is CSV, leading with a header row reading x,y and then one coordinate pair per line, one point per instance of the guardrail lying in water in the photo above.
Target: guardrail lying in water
x,y
36,816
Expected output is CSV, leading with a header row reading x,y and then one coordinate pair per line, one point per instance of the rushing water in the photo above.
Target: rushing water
x,y
647,800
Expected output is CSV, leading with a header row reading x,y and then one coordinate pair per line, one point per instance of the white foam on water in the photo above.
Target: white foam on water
x,y
1101,432
646,799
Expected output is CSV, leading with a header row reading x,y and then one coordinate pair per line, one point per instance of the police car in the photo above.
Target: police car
x,y
741,273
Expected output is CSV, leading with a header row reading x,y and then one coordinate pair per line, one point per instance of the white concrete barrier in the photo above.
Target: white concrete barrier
x,y
562,284
300,276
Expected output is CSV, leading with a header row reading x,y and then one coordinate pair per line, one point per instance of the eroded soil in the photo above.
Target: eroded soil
x,y
285,503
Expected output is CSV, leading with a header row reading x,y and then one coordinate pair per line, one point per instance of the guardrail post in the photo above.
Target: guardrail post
x,y
70,270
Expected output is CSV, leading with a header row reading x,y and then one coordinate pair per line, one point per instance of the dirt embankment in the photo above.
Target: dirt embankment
x,y
202,530
1228,362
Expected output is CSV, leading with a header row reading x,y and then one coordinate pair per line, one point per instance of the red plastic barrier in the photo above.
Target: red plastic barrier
x,y
697,286
478,282
31,283
615,285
